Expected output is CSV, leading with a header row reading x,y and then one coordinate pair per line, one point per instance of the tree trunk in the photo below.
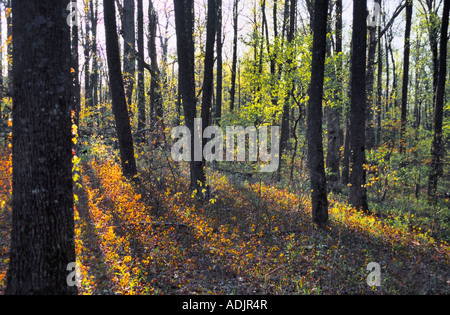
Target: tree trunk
x,y
94,74
234,62
119,102
218,111
76,97
437,147
141,76
156,105
407,51
208,76
315,146
129,42
379,89
334,113
184,25
42,236
87,60
285,120
357,191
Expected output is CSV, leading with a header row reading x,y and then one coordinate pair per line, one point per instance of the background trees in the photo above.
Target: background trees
x,y
313,68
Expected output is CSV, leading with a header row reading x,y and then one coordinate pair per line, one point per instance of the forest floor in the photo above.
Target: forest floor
x,y
154,237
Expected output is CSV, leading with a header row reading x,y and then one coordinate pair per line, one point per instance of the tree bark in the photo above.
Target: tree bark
x,y
357,191
334,113
184,25
219,93
315,145
407,52
119,102
234,62
129,36
437,147
76,97
285,118
141,77
42,236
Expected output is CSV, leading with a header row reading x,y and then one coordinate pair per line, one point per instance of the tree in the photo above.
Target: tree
x,y
235,47
42,236
357,190
315,144
334,112
156,108
208,77
285,120
76,106
372,48
218,111
437,146
119,102
184,25
407,51
129,46
141,76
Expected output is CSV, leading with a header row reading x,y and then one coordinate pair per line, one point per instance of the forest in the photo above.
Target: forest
x,y
224,147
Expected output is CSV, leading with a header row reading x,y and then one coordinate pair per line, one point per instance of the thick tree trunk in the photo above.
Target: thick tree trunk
x,y
184,24
42,236
437,147
357,191
119,102
315,145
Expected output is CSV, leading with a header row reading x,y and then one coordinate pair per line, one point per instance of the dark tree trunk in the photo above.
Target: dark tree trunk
x,y
129,42
94,74
141,77
315,146
334,113
234,62
87,60
370,76
184,24
357,190
208,76
76,92
42,236
156,108
218,111
379,89
285,120
119,102
437,147
404,104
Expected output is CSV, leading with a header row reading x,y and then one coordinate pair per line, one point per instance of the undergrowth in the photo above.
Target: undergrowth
x,y
153,236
